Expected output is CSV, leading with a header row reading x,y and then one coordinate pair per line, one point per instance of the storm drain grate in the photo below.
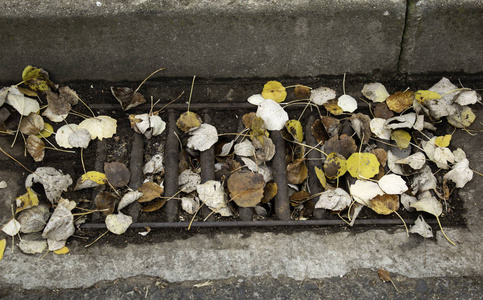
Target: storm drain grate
x,y
245,217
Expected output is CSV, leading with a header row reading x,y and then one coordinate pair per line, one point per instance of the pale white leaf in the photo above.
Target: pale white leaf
x,y
459,155
190,204
60,225
364,191
422,228
80,138
226,149
157,124
3,184
213,195
202,137
347,103
245,149
118,223
375,92
154,165
404,121
423,181
63,133
260,169
415,161
256,99
32,247
429,204
460,174
272,114
12,227
22,104
54,182
56,245
335,200
129,198
467,98
34,219
407,200
99,127
188,181
322,95
377,127
444,106
392,184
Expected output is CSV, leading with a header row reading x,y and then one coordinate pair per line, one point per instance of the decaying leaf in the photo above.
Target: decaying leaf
x,y
347,103
60,225
460,174
188,181
60,104
322,95
33,219
154,165
150,191
129,198
422,228
402,138
37,79
335,200
212,194
275,91
27,200
385,204
90,179
384,276
362,165
117,174
35,147
400,101
188,120
382,111
415,161
12,227
203,137
63,133
343,144
269,192
423,181
364,191
294,127
264,150
127,97
32,124
190,204
361,125
118,223
319,132
375,92
54,182
154,205
404,121
297,171
260,169
246,188
335,166
147,124
332,107
302,92
299,197
272,114
99,127
378,128
463,117
80,138
32,246
106,202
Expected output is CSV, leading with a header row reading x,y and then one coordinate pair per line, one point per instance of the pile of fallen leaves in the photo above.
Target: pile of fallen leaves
x,y
378,160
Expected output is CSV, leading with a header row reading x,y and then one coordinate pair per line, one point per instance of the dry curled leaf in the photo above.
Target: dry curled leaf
x,y
106,202
343,144
422,228
203,137
319,133
335,166
400,101
27,200
361,125
127,97
246,188
150,191
32,124
54,182
297,171
35,147
212,194
154,205
99,127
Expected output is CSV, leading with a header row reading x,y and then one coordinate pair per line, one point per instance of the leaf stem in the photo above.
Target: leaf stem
x,y
407,231
441,227
191,92
16,161
148,78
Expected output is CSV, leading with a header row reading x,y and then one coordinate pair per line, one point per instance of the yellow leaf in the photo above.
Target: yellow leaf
x,y
63,250
97,177
274,90
424,95
402,138
443,141
46,132
335,166
188,120
462,119
400,101
321,176
294,127
385,204
332,107
27,200
363,165
3,244
37,79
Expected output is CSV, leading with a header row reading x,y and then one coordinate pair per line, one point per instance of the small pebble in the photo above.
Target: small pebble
x,y
3,184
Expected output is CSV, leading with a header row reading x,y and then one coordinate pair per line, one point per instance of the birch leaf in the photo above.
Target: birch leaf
x,y
294,127
190,204
127,97
347,103
335,200
322,95
129,198
54,182
188,120
375,92
118,223
32,124
63,133
213,195
460,173
80,138
429,205
335,166
37,79
385,204
272,114
362,165
423,95
275,91
321,176
22,104
99,127
246,188
3,244
392,184
422,228
402,138
443,141
364,191
203,137
27,200
12,227
400,101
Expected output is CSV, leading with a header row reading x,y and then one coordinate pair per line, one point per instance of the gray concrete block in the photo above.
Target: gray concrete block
x,y
443,36
127,40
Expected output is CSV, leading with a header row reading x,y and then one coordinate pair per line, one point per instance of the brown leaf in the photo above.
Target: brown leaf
x,y
335,166
361,124
60,104
332,107
32,124
302,92
331,125
344,145
150,191
188,120
381,155
299,197
400,101
384,275
246,188
154,205
127,97
297,171
385,204
269,192
382,111
265,150
35,147
117,174
319,132
107,201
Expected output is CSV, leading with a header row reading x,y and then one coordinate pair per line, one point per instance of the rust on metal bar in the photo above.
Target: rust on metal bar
x,y
282,205
171,159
